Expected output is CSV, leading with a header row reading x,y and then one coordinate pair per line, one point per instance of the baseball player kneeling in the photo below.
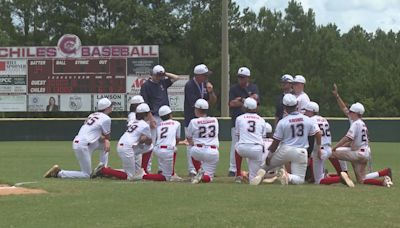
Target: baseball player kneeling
x,y
135,141
202,134
250,129
291,135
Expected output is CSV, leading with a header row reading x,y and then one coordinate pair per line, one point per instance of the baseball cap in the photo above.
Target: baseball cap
x,y
201,104
137,99
142,108
103,103
299,79
312,106
244,71
268,128
357,108
158,70
287,78
164,110
201,69
289,100
250,103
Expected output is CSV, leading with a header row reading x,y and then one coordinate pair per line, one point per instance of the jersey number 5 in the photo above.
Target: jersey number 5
x,y
91,120
203,132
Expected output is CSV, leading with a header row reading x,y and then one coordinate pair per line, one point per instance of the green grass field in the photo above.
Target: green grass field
x,y
111,203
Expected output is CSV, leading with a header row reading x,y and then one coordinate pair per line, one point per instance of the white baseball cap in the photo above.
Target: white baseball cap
x,y
357,108
142,108
201,69
164,110
287,78
312,107
244,71
158,70
289,100
103,103
137,99
250,103
201,104
299,79
268,128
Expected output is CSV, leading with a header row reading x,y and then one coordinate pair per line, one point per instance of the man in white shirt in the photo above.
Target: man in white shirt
x,y
358,152
96,128
202,135
298,88
291,135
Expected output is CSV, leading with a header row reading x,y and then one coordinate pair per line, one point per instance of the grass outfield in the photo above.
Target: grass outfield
x,y
111,203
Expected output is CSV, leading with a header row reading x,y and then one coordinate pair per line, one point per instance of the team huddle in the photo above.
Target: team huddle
x,y
294,153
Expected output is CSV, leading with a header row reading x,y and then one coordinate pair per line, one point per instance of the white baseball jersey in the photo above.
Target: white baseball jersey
x,y
95,125
131,117
358,132
294,129
204,131
324,127
134,131
250,128
167,132
302,100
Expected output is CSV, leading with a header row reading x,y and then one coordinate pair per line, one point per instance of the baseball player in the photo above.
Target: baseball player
x,y
198,87
250,130
95,128
291,135
237,94
354,147
298,87
286,86
202,134
135,141
134,102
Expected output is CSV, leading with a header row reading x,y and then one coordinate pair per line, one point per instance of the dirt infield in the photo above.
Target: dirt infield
x,y
12,190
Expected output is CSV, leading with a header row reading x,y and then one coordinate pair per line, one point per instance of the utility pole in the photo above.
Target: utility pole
x,y
224,60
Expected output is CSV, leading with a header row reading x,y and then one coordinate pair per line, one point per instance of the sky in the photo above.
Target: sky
x,y
370,14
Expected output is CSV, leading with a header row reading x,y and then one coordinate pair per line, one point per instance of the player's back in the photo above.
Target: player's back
x,y
131,117
359,133
167,132
133,132
95,125
204,131
294,129
323,124
251,128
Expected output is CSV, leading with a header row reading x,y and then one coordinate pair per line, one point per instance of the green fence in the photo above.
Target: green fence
x,y
380,129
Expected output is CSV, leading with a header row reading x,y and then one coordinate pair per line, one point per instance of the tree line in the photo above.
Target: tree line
x,y
365,66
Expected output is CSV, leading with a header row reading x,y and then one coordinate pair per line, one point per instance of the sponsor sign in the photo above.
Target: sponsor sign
x,y
13,67
75,102
43,103
13,103
118,100
12,84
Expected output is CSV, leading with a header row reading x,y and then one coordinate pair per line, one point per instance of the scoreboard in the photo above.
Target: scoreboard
x,y
77,75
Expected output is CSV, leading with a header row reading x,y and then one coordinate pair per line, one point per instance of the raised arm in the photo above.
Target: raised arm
x,y
172,77
339,100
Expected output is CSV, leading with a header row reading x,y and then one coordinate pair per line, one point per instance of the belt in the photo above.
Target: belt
x,y
77,141
163,147
362,150
121,144
201,145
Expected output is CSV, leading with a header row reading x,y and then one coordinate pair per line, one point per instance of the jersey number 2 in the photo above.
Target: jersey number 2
x,y
163,133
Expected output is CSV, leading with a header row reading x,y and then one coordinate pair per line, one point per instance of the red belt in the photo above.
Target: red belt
x,y
212,147
362,150
164,147
121,144
77,141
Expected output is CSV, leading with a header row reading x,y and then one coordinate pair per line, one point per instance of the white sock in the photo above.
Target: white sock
x,y
372,175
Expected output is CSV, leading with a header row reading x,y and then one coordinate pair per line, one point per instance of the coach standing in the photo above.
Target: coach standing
x,y
237,94
155,94
198,87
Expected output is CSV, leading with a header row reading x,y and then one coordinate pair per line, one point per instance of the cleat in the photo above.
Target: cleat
x,y
192,174
283,176
176,178
52,172
197,179
238,179
345,179
257,179
139,174
387,181
97,171
231,174
270,180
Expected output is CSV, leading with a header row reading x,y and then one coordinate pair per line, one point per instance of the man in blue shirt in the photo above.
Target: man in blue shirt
x,y
155,94
237,94
198,87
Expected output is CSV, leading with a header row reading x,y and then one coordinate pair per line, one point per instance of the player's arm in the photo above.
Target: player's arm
x,y
236,103
152,121
318,140
272,149
212,97
106,142
172,77
344,141
144,139
339,100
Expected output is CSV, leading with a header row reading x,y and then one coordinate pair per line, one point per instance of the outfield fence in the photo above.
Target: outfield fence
x,y
60,129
